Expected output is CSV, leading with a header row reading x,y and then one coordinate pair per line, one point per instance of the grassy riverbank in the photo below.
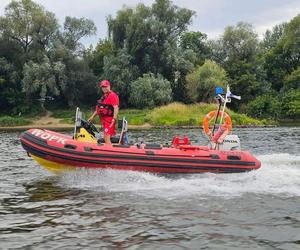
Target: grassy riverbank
x,y
174,114
8,121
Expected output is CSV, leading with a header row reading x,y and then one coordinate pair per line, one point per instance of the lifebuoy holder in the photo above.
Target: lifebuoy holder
x,y
212,115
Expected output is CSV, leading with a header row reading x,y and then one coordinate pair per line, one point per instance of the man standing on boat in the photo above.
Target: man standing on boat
x,y
107,108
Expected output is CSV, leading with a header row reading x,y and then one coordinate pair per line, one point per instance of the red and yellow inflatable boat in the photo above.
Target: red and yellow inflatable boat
x,y
59,152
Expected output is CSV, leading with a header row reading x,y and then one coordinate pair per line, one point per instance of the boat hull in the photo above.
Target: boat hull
x,y
59,153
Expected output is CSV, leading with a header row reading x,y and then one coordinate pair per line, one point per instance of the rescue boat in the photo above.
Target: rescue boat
x,y
58,153
84,149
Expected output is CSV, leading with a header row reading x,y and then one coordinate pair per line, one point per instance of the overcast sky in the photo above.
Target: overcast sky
x,y
212,16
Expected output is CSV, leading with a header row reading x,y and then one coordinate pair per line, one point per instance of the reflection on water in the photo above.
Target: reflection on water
x,y
47,190
117,210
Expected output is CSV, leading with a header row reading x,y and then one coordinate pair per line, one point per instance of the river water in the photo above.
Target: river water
x,y
131,210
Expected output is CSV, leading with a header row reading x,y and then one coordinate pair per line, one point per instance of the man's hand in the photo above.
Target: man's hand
x,y
91,119
112,123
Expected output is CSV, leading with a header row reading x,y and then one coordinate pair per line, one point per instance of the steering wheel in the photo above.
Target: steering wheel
x,y
90,127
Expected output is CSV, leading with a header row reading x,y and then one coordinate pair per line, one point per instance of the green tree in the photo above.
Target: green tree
x,y
247,80
237,51
117,27
240,42
292,81
40,78
150,36
81,85
217,51
11,97
195,41
30,26
75,29
27,33
284,58
264,106
95,57
272,37
120,71
150,91
77,83
202,82
291,105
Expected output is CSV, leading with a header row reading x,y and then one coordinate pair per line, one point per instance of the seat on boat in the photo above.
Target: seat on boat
x,y
122,137
176,142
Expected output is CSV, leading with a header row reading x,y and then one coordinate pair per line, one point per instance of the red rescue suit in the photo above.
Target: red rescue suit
x,y
105,110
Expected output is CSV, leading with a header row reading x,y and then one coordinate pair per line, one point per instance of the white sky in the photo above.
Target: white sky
x,y
212,16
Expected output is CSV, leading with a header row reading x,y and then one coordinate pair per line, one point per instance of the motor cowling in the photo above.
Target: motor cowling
x,y
230,143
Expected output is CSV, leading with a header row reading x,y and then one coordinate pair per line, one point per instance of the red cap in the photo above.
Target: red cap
x,y
104,83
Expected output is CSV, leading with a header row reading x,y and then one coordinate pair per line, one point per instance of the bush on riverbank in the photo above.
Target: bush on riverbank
x,y
177,114
7,121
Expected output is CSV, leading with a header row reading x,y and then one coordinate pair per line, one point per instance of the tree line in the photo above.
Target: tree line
x,y
150,57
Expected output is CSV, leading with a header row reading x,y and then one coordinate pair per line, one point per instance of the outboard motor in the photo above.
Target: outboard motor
x,y
221,140
230,143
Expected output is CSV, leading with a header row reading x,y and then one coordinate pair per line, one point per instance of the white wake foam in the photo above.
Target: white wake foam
x,y
279,175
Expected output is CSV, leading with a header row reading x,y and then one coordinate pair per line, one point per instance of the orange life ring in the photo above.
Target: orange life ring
x,y
226,121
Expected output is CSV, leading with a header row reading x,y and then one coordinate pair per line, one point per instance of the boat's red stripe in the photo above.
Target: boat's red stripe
x,y
125,164
142,158
141,167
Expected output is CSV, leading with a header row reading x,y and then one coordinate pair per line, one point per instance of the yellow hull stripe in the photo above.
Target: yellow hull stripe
x,y
53,167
